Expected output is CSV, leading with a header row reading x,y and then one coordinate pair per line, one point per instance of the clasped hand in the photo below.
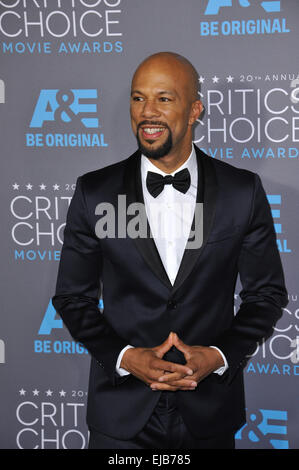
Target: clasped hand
x,y
147,365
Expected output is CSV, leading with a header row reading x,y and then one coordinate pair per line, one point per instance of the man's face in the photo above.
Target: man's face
x,y
162,108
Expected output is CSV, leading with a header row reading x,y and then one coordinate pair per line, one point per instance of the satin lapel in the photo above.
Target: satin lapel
x,y
206,193
146,246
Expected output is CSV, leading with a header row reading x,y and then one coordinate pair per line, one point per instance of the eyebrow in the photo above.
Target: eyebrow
x,y
166,92
163,92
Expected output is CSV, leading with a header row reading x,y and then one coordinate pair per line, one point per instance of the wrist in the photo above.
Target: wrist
x,y
217,358
125,362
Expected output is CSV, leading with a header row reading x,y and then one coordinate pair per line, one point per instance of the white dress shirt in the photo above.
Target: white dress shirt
x,y
170,216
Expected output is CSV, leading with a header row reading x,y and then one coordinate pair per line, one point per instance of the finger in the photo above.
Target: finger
x,y
183,383
192,365
176,385
170,377
165,346
173,376
180,344
171,367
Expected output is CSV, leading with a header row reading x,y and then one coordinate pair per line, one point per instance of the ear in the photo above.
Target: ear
x,y
196,110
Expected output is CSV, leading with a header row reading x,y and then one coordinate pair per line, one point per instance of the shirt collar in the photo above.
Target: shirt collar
x,y
190,163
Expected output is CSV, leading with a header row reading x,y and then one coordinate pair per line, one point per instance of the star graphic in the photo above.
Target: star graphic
x,y
201,79
22,392
15,186
35,393
42,186
55,187
229,79
215,79
29,186
49,393
62,393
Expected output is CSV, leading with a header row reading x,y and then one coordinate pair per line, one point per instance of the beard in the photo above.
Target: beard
x,y
158,152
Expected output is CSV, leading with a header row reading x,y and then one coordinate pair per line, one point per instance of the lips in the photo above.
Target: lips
x,y
152,133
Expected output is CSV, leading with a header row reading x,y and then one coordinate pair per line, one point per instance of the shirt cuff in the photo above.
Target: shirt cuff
x,y
119,369
222,369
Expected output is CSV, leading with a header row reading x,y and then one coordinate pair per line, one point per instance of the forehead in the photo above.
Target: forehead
x,y
160,76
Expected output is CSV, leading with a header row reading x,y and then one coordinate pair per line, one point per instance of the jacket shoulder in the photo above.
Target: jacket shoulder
x,y
225,167
103,173
107,178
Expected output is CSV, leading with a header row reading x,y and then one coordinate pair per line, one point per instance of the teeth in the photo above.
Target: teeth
x,y
151,130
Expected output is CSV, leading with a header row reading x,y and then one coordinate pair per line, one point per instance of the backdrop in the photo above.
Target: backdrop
x,y
66,67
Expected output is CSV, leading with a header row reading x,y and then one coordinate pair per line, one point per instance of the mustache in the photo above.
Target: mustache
x,y
152,123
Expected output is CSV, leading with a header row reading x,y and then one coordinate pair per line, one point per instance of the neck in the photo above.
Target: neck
x,y
170,162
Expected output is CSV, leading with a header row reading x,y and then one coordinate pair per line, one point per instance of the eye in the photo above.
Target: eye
x,y
164,99
137,98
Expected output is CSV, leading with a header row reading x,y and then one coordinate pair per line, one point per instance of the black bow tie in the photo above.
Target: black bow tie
x,y
180,181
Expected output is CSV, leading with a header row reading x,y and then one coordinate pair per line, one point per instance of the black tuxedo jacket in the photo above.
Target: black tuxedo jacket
x,y
141,306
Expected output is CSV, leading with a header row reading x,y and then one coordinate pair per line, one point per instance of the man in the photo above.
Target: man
x,y
167,351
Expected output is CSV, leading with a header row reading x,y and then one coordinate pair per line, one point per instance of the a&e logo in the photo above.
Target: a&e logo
x,y
70,110
214,6
265,429
256,17
66,106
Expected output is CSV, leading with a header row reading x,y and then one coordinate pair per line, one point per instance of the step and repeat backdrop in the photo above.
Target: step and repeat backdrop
x,y
65,72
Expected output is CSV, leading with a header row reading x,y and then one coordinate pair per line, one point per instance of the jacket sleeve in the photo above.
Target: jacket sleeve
x,y
78,289
263,291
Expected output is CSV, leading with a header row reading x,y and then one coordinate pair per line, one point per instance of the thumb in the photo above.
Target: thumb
x,y
165,346
179,344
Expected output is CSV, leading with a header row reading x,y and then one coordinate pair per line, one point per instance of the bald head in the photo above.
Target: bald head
x,y
176,65
164,106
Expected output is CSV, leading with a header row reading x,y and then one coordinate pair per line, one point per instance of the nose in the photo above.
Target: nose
x,y
150,109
